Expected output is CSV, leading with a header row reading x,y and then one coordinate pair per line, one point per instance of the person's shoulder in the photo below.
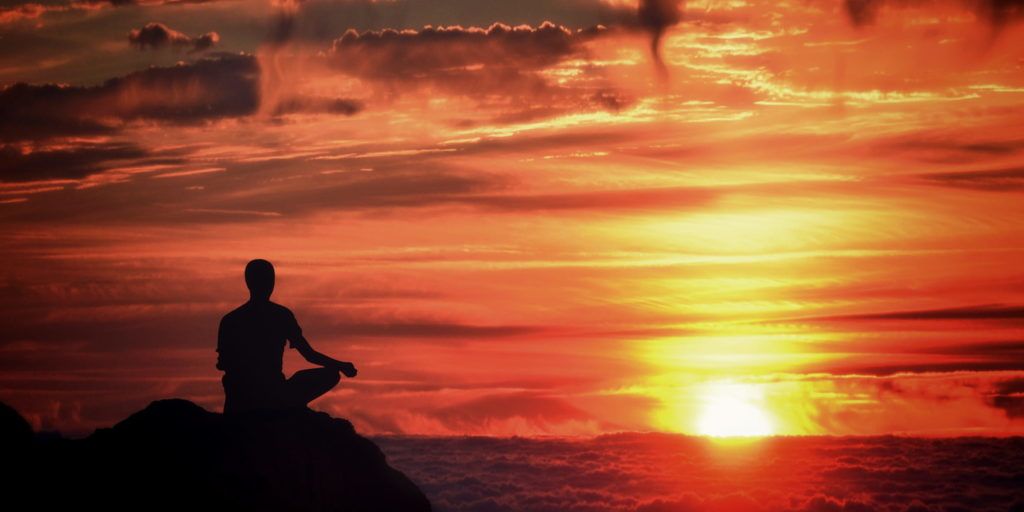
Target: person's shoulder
x,y
234,312
281,310
286,318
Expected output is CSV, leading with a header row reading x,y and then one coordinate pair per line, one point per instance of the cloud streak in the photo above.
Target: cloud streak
x,y
998,312
27,163
19,11
996,180
997,13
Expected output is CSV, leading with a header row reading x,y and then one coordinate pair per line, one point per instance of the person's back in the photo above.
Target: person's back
x,y
250,351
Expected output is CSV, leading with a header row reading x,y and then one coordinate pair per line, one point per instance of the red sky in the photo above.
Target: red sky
x,y
800,216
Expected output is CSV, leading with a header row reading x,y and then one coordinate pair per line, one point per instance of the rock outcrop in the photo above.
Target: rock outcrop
x,y
175,455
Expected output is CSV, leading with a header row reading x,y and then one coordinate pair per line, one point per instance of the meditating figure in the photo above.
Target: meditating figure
x,y
250,349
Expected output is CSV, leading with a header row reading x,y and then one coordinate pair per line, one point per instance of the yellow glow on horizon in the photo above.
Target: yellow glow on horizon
x,y
733,410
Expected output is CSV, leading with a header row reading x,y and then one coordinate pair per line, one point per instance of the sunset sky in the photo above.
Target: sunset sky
x,y
565,217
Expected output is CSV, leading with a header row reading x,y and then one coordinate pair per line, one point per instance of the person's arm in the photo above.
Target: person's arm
x,y
300,343
221,342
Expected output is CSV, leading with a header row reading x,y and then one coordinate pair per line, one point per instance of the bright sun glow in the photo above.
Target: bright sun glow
x,y
733,410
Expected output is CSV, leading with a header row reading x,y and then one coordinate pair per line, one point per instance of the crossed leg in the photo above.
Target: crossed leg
x,y
305,386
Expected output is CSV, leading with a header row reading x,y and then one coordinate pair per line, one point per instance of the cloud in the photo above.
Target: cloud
x,y
863,354
453,50
25,11
979,312
499,62
956,366
671,473
1009,396
420,330
489,64
501,67
29,163
994,348
406,53
1010,179
205,41
211,88
301,104
157,35
604,200
391,189
216,87
952,149
124,3
532,407
997,13
974,357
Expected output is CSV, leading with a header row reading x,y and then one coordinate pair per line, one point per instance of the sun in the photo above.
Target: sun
x,y
733,410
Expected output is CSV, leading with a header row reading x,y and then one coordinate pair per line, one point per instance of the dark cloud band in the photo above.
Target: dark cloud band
x,y
221,86
995,12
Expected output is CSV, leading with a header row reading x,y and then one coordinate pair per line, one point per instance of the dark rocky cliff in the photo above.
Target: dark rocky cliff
x,y
175,455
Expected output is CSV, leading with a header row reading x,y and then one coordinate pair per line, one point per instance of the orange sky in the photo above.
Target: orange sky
x,y
524,230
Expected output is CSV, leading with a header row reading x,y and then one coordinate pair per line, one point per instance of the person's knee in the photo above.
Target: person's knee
x,y
332,376
307,385
323,377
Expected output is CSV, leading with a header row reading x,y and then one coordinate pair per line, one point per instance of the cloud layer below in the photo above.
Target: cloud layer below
x,y
659,473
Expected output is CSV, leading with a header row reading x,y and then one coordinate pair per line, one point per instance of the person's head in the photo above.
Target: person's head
x,y
259,277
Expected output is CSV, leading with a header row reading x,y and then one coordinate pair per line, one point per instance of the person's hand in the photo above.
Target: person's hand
x,y
348,369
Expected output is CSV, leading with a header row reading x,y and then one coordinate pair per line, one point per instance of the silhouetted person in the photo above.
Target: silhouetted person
x,y
250,348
